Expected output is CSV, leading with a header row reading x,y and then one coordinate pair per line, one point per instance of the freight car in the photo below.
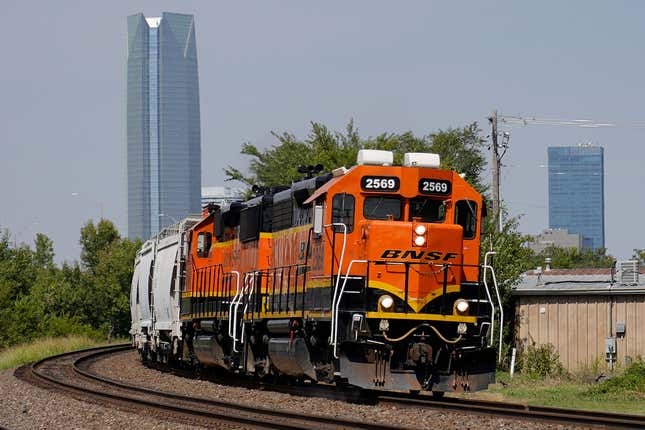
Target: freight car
x,y
368,276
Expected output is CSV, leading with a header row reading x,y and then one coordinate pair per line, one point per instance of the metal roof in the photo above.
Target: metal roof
x,y
576,282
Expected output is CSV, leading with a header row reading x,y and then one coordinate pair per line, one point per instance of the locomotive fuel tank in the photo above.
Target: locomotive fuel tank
x,y
208,350
291,357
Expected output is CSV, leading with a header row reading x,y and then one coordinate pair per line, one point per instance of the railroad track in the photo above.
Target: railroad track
x,y
511,410
66,372
542,413
70,372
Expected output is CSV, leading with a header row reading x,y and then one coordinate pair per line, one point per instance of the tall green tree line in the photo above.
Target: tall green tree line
x,y
39,298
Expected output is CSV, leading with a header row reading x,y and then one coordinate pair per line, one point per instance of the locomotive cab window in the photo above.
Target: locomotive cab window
x,y
342,211
429,210
203,244
380,207
466,216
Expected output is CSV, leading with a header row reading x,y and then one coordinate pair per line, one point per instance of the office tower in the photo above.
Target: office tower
x,y
163,127
576,192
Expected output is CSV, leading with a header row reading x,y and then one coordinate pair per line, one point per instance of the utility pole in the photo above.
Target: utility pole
x,y
495,159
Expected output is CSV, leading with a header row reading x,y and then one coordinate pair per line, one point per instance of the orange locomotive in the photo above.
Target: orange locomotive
x,y
368,276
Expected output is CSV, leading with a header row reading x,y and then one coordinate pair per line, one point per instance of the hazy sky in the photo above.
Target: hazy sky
x,y
277,65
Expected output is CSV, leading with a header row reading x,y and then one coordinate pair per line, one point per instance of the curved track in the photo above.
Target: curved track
x,y
69,372
543,413
65,372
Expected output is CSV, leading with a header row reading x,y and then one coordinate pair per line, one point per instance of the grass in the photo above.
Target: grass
x,y
615,395
26,353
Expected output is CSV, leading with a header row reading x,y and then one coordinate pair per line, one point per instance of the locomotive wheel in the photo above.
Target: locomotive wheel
x,y
438,394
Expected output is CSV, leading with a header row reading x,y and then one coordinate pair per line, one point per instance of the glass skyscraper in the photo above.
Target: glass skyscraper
x,y
163,126
576,192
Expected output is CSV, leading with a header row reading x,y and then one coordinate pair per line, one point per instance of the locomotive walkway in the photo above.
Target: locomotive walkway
x,y
69,373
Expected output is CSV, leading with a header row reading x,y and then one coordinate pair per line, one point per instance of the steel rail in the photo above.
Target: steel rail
x,y
192,406
268,416
546,413
510,410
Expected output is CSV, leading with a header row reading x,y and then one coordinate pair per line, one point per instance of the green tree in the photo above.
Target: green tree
x,y
16,268
44,252
512,258
94,239
571,258
460,149
37,298
111,286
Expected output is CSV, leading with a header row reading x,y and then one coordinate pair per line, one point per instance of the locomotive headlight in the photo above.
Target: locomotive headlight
x,y
420,230
462,306
420,240
386,302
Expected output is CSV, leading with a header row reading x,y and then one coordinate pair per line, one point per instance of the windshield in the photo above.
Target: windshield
x,y
379,207
427,209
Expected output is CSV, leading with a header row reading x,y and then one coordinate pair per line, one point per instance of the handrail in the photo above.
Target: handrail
x,y
499,302
230,305
237,305
250,292
340,267
492,308
334,317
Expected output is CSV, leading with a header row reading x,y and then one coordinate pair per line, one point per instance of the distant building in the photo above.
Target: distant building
x,y
560,238
590,316
220,195
163,125
576,192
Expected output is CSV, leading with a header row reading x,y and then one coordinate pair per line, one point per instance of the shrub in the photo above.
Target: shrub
x,y
538,362
632,381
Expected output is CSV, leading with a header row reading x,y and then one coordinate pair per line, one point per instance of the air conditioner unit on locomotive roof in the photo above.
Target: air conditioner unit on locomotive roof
x,y
374,157
421,159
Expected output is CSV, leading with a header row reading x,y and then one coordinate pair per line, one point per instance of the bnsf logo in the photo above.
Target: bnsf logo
x,y
418,255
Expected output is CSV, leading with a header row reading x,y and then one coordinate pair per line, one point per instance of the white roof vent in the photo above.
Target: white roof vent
x,y
374,157
421,159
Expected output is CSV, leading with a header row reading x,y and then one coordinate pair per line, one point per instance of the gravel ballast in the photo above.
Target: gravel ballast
x,y
25,406
127,367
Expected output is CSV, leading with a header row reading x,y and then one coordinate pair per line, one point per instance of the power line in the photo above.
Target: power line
x,y
567,122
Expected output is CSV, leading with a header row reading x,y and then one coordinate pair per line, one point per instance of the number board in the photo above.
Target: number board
x,y
380,183
438,187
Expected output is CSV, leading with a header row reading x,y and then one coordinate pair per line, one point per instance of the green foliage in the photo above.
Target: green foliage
x,y
111,286
39,299
44,252
512,257
460,149
571,258
94,239
630,383
539,362
559,392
